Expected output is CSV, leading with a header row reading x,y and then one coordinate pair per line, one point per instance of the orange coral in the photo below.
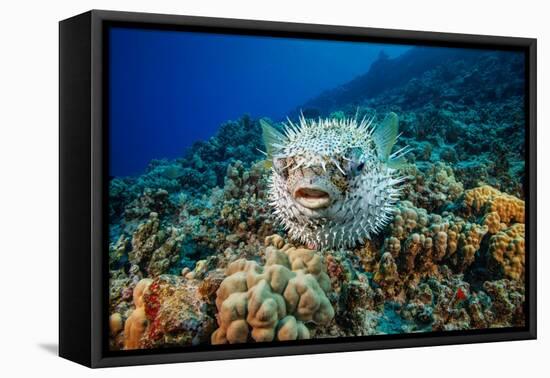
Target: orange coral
x,y
486,199
470,239
417,236
507,251
492,222
274,301
135,325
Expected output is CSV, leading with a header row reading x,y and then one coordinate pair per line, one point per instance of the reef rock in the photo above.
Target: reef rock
x,y
169,311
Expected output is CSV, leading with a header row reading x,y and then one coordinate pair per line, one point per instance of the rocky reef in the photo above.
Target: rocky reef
x,y
196,257
203,167
430,270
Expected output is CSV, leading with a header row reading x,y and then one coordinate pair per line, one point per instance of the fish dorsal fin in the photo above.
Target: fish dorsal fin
x,y
272,138
385,136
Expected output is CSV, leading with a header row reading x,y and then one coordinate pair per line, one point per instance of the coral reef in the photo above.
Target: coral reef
x,y
262,288
168,311
433,188
135,325
486,200
203,167
197,257
386,274
176,313
273,302
507,252
422,240
154,249
508,298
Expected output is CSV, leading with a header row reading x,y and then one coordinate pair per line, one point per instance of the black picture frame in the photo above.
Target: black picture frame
x,y
83,167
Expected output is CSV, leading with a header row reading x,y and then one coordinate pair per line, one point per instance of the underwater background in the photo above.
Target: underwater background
x,y
196,255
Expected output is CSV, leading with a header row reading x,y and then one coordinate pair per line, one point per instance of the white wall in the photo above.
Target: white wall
x,y
28,185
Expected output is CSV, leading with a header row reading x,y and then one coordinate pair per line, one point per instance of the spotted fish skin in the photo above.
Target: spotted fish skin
x,y
333,182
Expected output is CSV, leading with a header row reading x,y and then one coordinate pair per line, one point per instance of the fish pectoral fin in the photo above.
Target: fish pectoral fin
x,y
271,137
385,136
397,160
397,163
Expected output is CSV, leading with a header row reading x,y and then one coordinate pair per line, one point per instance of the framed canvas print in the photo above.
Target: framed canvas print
x,y
234,188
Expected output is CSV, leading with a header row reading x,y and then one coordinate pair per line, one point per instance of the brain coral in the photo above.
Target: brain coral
x,y
486,199
275,301
507,251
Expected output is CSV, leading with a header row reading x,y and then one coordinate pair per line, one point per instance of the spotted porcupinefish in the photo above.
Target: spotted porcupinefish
x,y
334,182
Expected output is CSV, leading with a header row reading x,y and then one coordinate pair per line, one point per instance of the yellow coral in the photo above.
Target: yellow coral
x,y
291,329
139,290
306,300
310,262
419,237
440,245
273,301
507,251
115,323
265,308
486,199
275,240
492,222
135,325
469,241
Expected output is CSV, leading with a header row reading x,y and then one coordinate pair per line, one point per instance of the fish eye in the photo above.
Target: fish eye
x,y
354,167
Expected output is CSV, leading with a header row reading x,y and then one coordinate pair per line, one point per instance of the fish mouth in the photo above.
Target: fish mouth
x,y
312,198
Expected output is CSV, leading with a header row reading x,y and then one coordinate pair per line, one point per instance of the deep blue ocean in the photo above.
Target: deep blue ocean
x,y
169,89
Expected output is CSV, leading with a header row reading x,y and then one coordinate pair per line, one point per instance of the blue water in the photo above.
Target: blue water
x,y
169,89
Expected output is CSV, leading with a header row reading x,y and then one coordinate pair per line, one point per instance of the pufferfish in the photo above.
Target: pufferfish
x,y
333,182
